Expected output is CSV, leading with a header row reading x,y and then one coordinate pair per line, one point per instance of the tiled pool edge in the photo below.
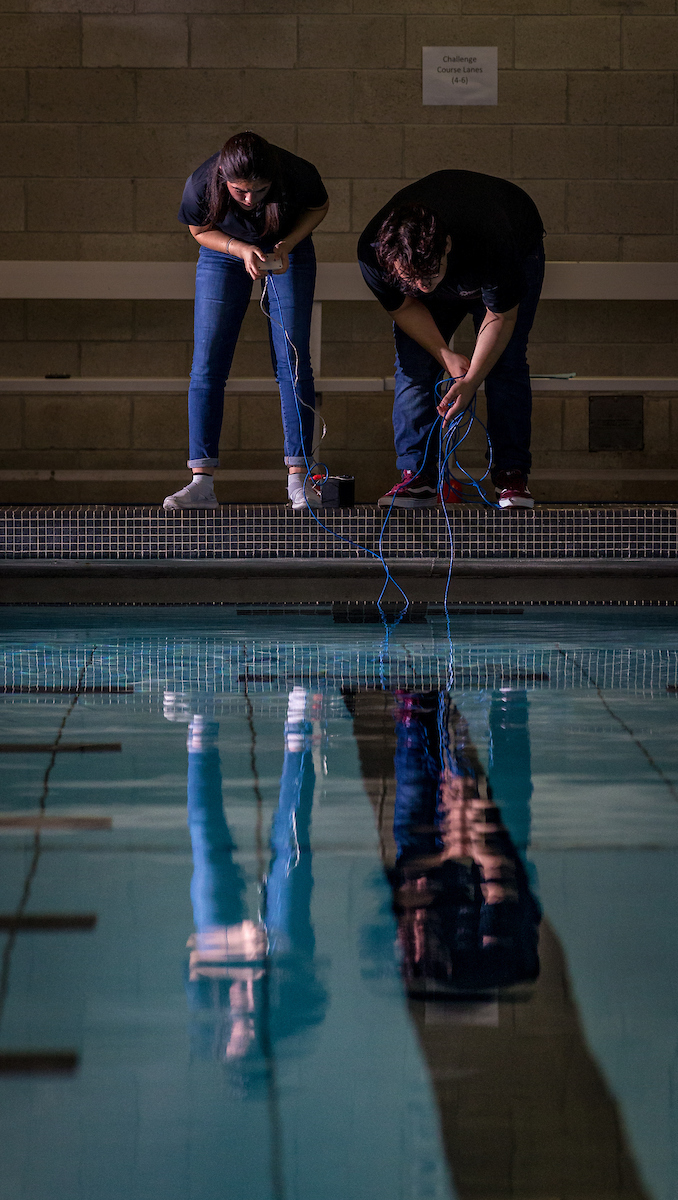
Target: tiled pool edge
x,y
273,531
267,554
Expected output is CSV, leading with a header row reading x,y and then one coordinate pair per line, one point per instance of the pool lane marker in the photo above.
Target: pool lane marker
x,y
44,1061
57,748
48,922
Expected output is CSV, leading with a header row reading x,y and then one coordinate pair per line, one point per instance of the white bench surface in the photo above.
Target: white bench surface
x,y
33,280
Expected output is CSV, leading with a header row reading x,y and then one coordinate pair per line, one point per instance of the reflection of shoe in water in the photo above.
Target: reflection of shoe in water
x,y
297,729
408,704
176,706
245,942
202,734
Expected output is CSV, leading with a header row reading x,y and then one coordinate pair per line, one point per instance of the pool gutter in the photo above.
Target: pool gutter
x,y
251,580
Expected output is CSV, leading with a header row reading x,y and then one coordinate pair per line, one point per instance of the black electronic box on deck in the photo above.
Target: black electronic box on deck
x,y
338,491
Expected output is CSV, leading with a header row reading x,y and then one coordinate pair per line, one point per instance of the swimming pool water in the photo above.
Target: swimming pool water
x,y
297,909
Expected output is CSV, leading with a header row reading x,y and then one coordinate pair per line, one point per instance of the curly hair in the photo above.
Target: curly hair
x,y
246,156
409,246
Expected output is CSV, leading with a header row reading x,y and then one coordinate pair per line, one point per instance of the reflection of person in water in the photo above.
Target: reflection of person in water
x,y
251,983
466,917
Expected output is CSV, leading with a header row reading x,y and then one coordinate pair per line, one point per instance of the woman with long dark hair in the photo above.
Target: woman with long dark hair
x,y
249,200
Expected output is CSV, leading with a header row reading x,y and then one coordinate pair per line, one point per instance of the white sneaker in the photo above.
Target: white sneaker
x,y
196,494
300,498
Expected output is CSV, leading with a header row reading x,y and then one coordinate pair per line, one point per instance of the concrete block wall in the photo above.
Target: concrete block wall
x,y
126,97
107,105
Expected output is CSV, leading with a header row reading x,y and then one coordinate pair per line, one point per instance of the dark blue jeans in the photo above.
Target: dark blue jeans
x,y
507,386
222,293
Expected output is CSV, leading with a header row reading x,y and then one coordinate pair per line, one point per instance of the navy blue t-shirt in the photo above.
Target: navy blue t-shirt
x,y
493,225
297,188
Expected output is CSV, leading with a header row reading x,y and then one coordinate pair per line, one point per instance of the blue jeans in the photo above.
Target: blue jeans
x,y
222,293
507,386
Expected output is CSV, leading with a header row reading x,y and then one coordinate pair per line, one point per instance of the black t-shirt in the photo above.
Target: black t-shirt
x,y
297,188
493,225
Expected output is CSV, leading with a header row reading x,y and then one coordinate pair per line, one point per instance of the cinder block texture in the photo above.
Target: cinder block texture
x,y
607,207
563,42
135,41
95,204
13,95
358,41
79,94
244,41
193,94
649,43
266,92
11,422
620,98
79,320
53,422
150,151
11,204
39,41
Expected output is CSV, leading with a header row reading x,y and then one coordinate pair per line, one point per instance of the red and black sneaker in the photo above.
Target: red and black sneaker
x,y
512,490
415,490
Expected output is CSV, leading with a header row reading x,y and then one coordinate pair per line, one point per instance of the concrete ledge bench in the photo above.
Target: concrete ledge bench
x,y
336,282
65,280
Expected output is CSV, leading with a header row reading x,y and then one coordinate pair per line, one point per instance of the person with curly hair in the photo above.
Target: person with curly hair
x,y
453,243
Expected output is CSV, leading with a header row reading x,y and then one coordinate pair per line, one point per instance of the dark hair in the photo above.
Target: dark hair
x,y
246,156
413,237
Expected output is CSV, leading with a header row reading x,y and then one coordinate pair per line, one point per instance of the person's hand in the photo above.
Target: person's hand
x,y
457,397
252,256
280,251
455,364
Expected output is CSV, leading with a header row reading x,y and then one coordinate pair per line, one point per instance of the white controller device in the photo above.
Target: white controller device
x,y
270,263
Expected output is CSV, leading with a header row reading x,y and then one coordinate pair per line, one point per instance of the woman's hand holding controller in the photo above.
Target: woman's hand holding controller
x,y
252,257
280,250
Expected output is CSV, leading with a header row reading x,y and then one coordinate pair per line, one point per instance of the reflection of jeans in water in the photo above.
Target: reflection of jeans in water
x,y
217,886
449,933
417,771
290,880
297,1000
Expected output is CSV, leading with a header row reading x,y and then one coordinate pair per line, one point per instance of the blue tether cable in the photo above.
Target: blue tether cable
x,y
449,443
309,471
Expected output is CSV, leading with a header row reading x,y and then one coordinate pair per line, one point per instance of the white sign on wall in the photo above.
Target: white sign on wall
x,y
459,74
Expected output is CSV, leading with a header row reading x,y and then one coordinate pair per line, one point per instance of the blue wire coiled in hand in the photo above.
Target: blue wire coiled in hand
x,y
450,438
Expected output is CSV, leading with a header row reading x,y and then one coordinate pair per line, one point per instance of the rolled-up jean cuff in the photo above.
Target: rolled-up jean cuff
x,y
291,461
202,462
